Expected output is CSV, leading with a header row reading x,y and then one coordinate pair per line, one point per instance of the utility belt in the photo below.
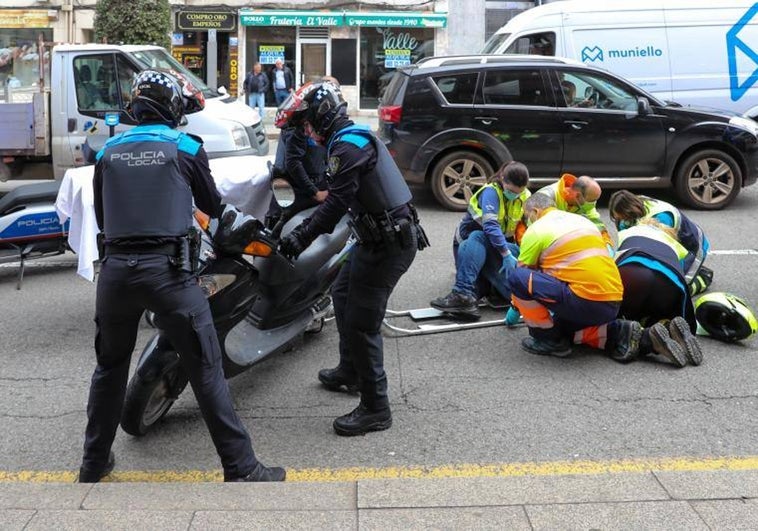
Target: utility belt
x,y
393,230
184,253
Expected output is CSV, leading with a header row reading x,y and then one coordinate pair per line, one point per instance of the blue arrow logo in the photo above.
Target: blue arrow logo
x,y
734,43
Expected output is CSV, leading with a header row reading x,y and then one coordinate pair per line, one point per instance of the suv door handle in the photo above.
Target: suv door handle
x,y
576,124
486,120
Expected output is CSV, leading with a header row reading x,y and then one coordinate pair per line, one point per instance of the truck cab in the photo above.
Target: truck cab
x,y
90,80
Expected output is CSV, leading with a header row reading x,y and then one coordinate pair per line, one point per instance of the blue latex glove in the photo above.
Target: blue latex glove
x,y
611,250
509,262
512,316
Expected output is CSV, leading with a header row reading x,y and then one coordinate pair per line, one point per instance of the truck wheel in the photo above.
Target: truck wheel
x,y
148,402
456,177
708,180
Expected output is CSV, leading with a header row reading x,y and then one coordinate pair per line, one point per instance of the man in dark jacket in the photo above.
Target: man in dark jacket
x,y
282,80
256,86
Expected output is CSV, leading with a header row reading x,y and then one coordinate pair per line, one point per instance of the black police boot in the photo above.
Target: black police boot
x,y
260,473
362,420
338,379
458,304
87,475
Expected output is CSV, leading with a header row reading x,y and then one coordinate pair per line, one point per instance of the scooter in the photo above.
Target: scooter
x,y
29,225
261,303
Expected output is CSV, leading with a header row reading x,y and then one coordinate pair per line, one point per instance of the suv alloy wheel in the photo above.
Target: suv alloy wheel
x,y
457,176
708,179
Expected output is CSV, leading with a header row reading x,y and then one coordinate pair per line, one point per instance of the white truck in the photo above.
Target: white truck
x,y
48,122
694,52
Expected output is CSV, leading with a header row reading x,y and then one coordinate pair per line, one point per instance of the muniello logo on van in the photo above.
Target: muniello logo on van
x,y
595,53
144,158
592,54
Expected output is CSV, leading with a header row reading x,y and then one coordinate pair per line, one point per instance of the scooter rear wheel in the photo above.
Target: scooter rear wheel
x,y
148,402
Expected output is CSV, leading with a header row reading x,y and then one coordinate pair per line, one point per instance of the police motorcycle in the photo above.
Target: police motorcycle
x,y
261,303
29,225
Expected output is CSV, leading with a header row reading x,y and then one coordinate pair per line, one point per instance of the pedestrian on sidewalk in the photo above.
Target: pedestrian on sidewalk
x,y
483,246
256,87
282,80
145,214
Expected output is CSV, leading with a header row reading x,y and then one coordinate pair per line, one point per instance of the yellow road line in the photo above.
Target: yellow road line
x,y
551,468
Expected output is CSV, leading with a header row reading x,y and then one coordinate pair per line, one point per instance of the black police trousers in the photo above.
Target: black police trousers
x,y
127,285
360,295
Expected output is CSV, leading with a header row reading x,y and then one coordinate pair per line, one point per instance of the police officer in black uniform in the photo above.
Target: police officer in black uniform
x,y
365,182
145,181
299,160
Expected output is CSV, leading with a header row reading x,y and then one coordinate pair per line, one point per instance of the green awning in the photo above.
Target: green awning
x,y
396,19
399,19
291,18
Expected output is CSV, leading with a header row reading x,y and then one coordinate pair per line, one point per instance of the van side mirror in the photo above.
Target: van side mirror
x,y
643,106
222,90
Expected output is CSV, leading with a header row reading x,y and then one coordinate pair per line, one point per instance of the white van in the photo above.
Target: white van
x,y
694,52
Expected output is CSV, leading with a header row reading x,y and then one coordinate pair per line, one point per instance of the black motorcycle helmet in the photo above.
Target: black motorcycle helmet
x,y
156,96
323,104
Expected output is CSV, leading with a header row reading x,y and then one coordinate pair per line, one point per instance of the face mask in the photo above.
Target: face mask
x,y
510,196
623,225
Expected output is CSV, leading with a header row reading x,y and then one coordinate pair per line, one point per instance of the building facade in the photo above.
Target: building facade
x,y
359,43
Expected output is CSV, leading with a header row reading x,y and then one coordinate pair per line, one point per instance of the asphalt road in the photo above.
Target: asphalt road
x,y
462,397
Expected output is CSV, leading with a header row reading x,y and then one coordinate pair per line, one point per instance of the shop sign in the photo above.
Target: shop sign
x,y
179,51
398,20
24,18
396,58
233,70
206,20
270,54
290,18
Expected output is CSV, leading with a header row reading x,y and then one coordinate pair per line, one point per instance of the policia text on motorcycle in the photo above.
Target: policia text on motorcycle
x,y
366,183
144,184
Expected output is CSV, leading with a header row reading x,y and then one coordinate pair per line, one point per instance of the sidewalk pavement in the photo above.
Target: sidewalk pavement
x,y
721,499
363,117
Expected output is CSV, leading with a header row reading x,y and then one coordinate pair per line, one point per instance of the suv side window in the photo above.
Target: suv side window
x,y
534,44
593,91
514,87
457,88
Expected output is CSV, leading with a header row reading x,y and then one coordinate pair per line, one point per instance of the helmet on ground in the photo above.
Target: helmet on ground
x,y
292,110
156,95
725,317
324,104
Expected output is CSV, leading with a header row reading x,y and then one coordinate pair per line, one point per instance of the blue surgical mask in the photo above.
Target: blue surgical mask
x,y
509,195
623,225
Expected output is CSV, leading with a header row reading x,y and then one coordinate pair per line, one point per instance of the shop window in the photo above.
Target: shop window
x,y
265,45
20,61
514,87
383,51
457,89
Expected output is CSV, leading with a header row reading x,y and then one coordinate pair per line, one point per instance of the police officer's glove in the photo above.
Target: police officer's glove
x,y
509,263
293,244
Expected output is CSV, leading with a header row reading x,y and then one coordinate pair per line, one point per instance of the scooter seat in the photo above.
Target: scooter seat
x,y
28,194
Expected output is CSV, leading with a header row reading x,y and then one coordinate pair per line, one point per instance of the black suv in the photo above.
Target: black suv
x,y
451,121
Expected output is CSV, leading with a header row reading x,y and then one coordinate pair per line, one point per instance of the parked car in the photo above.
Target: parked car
x,y
451,121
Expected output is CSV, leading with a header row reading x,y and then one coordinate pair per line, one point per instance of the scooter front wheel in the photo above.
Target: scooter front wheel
x,y
147,402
